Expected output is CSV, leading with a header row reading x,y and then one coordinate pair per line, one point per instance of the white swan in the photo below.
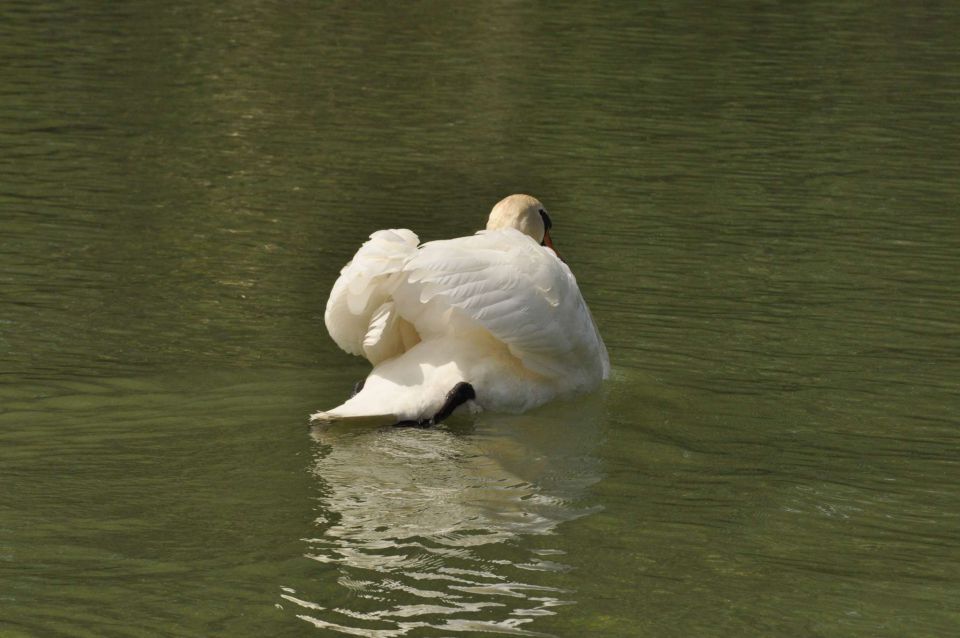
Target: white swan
x,y
495,319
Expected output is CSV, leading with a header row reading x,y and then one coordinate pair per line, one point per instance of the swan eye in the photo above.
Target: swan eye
x,y
547,223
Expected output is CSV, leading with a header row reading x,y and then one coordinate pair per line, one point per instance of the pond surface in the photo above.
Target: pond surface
x,y
760,204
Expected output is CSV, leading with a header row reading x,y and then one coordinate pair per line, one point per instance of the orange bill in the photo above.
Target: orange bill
x,y
548,242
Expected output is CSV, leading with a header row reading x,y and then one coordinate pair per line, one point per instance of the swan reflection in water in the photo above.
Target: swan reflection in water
x,y
439,529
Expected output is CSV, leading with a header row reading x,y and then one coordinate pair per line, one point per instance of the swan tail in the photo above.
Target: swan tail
x,y
378,403
336,416
420,385
374,403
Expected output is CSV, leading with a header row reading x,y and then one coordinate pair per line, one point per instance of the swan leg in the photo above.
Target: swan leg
x,y
460,394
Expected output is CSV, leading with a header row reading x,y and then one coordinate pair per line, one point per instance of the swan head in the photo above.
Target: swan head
x,y
524,213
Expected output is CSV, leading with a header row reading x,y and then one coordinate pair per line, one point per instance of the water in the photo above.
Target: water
x,y
760,204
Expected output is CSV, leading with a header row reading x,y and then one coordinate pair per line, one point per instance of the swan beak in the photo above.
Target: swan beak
x,y
548,242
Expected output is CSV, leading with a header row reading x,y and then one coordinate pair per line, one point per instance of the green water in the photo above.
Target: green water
x,y
760,203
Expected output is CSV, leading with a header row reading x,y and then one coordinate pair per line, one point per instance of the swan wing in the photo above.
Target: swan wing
x,y
517,290
360,316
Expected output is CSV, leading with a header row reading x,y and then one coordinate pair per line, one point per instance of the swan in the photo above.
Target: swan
x,y
494,321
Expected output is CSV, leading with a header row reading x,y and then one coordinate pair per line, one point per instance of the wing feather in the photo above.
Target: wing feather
x,y
517,290
363,287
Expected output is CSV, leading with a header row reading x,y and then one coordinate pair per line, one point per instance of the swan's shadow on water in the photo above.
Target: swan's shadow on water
x,y
447,529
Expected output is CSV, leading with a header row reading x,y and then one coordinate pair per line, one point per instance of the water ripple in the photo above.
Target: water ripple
x,y
429,530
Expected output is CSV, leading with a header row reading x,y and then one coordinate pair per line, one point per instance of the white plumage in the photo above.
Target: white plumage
x,y
496,310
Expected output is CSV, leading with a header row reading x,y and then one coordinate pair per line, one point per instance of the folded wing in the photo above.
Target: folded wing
x,y
520,292
360,316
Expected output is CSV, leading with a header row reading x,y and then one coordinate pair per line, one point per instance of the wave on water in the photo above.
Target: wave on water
x,y
438,532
